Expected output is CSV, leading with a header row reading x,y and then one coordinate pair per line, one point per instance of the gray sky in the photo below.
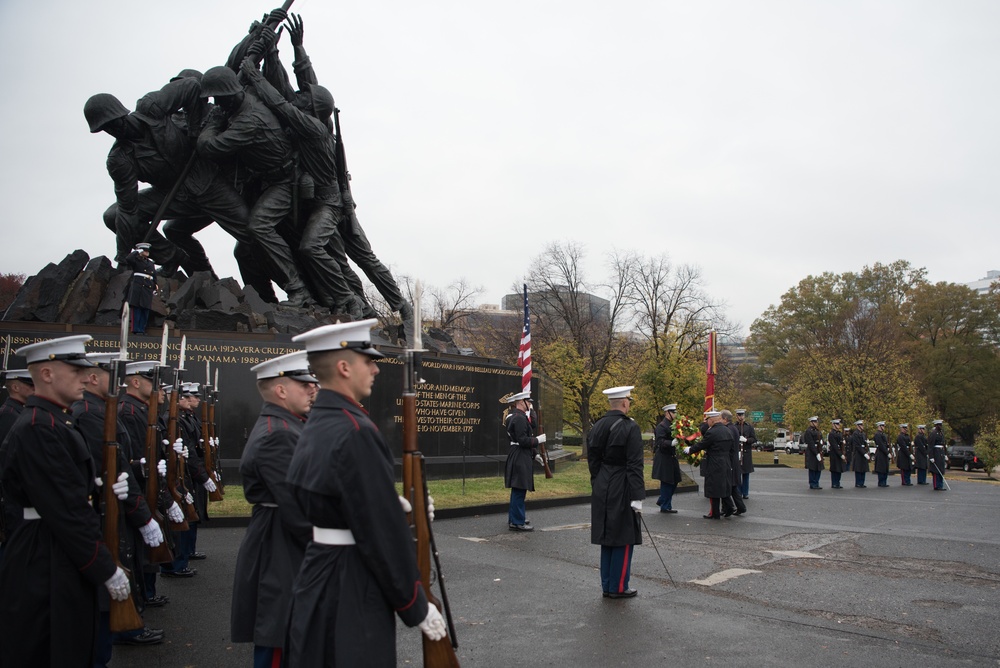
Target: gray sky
x,y
795,137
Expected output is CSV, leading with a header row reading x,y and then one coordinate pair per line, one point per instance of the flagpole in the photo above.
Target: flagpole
x,y
710,373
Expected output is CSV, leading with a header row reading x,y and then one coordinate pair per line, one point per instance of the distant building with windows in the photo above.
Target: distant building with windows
x,y
595,307
982,286
736,352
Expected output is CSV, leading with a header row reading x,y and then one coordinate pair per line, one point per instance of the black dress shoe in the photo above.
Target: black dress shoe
x,y
728,513
746,497
739,512
628,593
667,510
198,556
520,527
710,517
604,594
182,573
147,637
157,602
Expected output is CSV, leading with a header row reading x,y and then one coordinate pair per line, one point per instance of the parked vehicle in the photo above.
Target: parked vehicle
x,y
963,456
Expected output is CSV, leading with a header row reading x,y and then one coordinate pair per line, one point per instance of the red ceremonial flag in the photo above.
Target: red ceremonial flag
x,y
710,381
524,354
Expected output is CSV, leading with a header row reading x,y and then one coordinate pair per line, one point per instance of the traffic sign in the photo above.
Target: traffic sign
x,y
757,416
777,417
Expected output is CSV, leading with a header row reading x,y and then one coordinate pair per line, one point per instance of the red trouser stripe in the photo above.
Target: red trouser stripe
x,y
621,581
276,658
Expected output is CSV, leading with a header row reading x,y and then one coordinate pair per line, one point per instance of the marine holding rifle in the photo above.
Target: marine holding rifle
x,y
521,456
360,569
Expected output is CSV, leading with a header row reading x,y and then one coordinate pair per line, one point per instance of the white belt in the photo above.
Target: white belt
x,y
31,514
268,505
333,536
142,275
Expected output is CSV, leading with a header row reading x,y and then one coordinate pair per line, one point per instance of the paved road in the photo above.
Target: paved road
x,y
853,577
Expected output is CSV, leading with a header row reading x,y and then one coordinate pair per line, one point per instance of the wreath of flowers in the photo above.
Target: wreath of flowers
x,y
686,432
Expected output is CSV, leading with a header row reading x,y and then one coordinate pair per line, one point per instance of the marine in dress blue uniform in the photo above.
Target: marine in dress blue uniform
x,y
837,456
904,455
814,452
860,456
747,439
519,474
141,288
921,451
666,468
938,455
276,538
360,569
615,458
881,454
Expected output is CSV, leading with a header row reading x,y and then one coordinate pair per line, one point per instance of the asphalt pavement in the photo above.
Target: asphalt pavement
x,y
898,576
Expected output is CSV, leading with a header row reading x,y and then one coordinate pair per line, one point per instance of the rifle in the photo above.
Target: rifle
x,y
3,513
437,653
541,446
152,438
216,448
175,466
206,439
124,616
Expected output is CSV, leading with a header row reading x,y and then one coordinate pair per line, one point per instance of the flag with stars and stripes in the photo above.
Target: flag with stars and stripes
x,y
524,354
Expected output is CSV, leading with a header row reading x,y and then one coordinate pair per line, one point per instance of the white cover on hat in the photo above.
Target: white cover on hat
x,y
880,423
709,414
835,421
519,396
904,425
189,388
69,349
341,336
921,426
142,245
619,392
938,421
11,374
102,359
669,407
141,368
292,365
859,422
741,411
814,418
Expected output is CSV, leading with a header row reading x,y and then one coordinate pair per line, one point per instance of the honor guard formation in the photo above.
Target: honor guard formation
x,y
264,160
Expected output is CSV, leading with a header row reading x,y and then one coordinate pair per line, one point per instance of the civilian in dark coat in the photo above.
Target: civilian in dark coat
x,y
904,457
837,457
522,453
276,538
859,449
921,460
882,454
814,452
360,570
614,455
736,457
747,440
938,455
666,468
717,444
56,560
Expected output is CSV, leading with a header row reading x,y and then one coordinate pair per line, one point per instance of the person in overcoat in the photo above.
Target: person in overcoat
x,y
747,440
19,387
717,443
56,560
881,454
735,456
360,570
904,457
275,540
837,457
938,455
666,468
814,452
522,454
615,459
921,461
859,448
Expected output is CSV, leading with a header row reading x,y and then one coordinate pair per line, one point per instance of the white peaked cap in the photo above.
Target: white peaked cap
x,y
835,421
669,407
13,374
69,349
921,426
141,368
102,360
880,423
859,422
619,392
938,421
741,411
814,418
709,414
342,336
292,365
519,396
189,388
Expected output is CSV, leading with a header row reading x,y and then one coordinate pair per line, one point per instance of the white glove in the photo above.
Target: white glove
x,y
186,453
118,585
120,488
541,438
189,499
538,458
674,442
867,457
174,513
161,467
142,460
433,624
819,458
743,439
636,506
98,481
430,507
209,485
687,449
179,446
407,508
151,534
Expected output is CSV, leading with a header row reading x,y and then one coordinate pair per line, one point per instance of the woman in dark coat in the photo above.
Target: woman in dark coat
x,y
717,444
666,468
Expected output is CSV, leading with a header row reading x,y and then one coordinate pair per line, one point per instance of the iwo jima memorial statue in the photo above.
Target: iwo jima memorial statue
x,y
239,146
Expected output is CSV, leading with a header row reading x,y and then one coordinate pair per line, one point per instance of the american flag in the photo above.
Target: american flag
x,y
524,354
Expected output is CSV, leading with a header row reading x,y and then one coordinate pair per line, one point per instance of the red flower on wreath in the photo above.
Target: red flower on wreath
x,y
687,432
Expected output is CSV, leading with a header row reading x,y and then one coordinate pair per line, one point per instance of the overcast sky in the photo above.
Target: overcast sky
x,y
763,141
